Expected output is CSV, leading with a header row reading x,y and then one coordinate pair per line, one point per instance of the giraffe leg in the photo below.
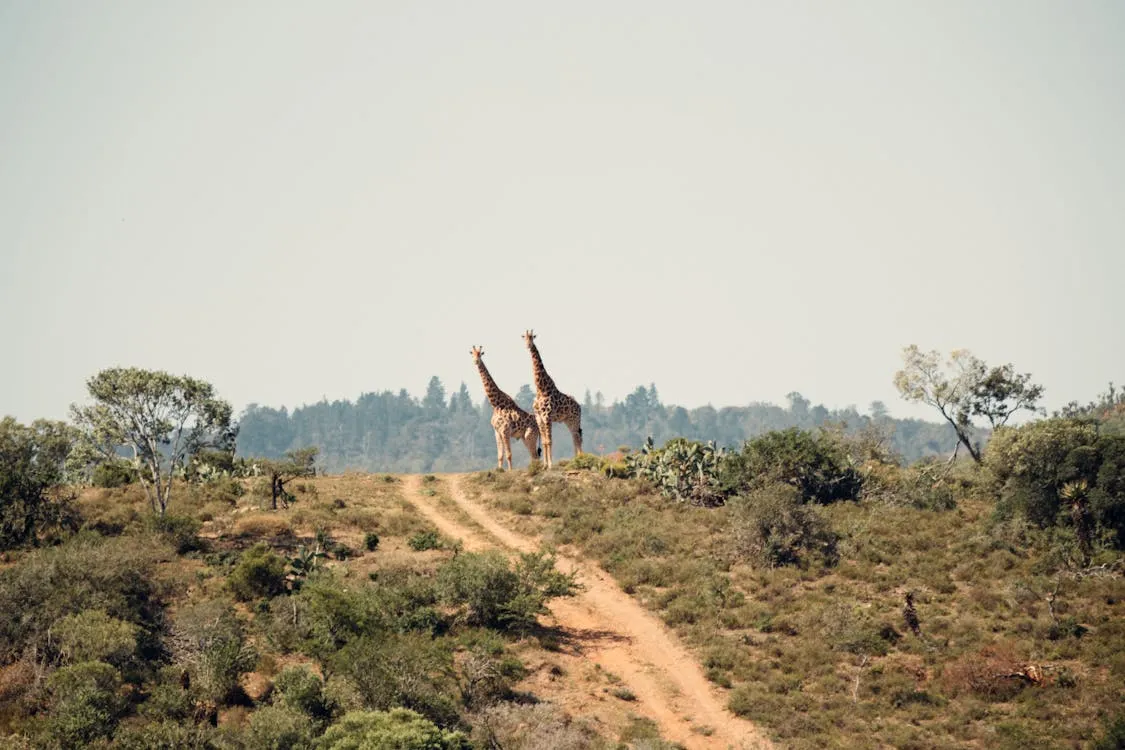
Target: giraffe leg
x,y
508,450
529,443
545,436
499,451
575,427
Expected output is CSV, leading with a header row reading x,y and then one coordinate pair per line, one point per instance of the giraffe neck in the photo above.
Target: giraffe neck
x,y
492,392
543,382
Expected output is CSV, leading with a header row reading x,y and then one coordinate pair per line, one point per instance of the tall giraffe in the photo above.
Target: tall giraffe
x,y
552,405
508,418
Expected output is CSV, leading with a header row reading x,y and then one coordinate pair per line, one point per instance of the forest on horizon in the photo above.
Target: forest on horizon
x,y
397,432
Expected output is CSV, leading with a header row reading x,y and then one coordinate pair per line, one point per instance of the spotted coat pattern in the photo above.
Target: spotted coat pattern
x,y
552,405
508,419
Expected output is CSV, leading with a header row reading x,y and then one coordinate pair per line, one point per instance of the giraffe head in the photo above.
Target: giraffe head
x,y
477,353
529,338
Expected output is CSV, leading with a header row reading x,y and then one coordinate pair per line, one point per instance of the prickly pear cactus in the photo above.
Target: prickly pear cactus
x,y
684,470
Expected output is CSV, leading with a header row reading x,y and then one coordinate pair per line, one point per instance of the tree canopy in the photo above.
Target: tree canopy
x,y
965,387
158,418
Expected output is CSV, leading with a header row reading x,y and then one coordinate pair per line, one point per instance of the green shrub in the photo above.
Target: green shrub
x,y
771,527
586,462
813,462
425,540
32,460
302,690
181,531
279,728
110,474
88,572
371,541
163,734
85,705
1113,734
397,729
495,594
1032,465
260,572
93,635
411,670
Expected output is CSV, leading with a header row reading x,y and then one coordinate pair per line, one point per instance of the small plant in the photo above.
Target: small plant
x,y
371,541
181,531
772,527
259,573
624,694
425,540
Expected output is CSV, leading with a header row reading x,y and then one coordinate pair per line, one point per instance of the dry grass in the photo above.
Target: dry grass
x,y
262,525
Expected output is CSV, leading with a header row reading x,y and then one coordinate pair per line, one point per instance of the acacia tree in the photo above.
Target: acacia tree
x,y
161,419
965,388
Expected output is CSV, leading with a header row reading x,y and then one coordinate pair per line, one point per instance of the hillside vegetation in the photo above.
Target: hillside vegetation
x,y
934,608
835,594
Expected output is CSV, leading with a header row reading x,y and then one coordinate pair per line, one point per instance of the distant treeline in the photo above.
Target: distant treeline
x,y
396,432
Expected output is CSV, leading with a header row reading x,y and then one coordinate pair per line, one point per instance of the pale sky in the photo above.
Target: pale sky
x,y
298,200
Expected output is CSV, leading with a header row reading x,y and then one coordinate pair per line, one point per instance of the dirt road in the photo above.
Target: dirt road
x,y
668,683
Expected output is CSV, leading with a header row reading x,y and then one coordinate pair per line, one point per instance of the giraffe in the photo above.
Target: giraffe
x,y
552,405
508,418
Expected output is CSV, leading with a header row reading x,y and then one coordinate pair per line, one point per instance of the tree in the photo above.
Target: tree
x,y
32,461
298,463
966,388
396,729
1001,392
161,419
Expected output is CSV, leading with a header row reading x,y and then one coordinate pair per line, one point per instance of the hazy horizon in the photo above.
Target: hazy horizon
x,y
732,201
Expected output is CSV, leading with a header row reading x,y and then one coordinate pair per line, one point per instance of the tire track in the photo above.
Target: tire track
x,y
630,642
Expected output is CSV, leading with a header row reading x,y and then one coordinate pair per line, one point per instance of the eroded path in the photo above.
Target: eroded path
x,y
619,634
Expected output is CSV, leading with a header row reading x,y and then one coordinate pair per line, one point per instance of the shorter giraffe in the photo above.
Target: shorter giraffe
x,y
508,418
552,405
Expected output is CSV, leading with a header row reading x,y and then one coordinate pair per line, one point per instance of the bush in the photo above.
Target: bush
x,y
111,474
86,703
1113,735
412,670
279,728
302,690
397,729
88,572
813,462
259,573
162,734
371,541
209,640
31,474
93,635
498,596
1032,465
771,527
181,531
425,540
